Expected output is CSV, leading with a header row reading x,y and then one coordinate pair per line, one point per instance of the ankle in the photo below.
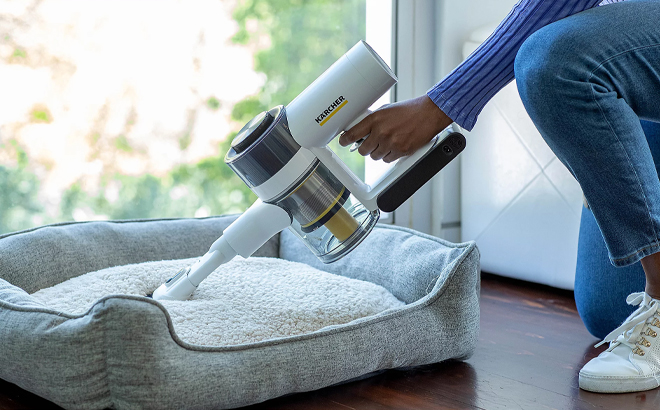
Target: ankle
x,y
651,266
652,290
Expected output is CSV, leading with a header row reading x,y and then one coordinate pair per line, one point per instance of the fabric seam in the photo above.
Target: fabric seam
x,y
637,252
420,304
112,221
438,289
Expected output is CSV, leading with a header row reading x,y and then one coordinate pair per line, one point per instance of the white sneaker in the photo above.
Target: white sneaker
x,y
632,362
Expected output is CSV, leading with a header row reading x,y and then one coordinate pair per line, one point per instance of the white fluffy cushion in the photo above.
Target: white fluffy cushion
x,y
243,301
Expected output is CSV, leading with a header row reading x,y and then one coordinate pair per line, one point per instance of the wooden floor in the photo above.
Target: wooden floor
x,y
531,347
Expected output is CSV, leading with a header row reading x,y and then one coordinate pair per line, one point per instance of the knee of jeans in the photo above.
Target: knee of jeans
x,y
542,65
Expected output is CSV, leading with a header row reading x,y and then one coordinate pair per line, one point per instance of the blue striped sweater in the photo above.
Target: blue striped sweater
x,y
464,92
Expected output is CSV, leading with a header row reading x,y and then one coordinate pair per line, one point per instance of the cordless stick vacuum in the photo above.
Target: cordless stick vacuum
x,y
282,155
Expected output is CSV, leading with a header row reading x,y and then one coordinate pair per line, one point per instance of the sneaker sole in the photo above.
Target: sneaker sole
x,y
617,384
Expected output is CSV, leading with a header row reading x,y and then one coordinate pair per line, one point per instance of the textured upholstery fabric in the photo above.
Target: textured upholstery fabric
x,y
42,257
124,354
243,301
406,262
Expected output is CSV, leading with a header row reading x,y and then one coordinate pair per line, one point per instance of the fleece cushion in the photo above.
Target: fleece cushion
x,y
243,301
125,353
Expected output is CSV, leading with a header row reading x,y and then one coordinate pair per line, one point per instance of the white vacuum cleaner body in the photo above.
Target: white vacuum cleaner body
x,y
282,155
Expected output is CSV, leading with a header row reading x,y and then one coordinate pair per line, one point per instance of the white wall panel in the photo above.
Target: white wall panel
x,y
518,201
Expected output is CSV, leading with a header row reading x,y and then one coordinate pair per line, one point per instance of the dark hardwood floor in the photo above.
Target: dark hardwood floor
x,y
531,347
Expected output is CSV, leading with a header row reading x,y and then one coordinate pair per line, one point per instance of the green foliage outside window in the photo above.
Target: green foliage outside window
x,y
18,194
305,41
302,38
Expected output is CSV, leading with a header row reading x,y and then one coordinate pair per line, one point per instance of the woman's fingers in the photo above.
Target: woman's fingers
x,y
356,133
379,153
397,129
391,157
368,146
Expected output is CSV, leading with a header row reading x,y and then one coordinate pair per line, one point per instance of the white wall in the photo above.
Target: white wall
x,y
456,20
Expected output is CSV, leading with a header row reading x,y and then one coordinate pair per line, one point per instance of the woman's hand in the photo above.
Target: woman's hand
x,y
398,129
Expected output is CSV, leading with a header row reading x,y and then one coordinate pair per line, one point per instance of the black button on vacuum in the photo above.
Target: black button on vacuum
x,y
252,131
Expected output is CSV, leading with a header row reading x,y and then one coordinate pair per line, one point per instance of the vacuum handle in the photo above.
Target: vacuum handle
x,y
405,178
400,182
356,145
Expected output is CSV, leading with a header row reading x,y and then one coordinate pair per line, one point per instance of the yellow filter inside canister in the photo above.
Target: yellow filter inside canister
x,y
322,200
342,225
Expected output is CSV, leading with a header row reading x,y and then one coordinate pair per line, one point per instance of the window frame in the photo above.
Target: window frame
x,y
413,58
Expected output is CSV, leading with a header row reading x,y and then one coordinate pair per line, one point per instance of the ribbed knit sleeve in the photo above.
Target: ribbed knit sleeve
x,y
465,91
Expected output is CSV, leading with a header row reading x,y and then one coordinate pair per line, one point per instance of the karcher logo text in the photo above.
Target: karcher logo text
x,y
332,109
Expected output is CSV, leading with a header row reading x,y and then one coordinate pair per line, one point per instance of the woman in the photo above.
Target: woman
x,y
586,75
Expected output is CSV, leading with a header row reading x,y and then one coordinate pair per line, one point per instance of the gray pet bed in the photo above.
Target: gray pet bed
x,y
124,353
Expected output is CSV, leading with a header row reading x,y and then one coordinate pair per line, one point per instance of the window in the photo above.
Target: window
x,y
121,110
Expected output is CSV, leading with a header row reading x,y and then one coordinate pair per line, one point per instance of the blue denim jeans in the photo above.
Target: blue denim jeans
x,y
601,288
586,81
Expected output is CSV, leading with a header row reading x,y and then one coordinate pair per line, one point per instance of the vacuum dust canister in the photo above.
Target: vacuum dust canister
x,y
277,154
325,216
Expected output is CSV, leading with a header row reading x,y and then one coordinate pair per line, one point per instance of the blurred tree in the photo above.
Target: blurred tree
x,y
208,187
19,205
295,41
305,38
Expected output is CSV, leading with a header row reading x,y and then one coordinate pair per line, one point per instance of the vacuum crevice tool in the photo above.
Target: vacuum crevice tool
x,y
243,237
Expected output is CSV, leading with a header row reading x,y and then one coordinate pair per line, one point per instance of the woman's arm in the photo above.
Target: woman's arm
x,y
465,91
402,128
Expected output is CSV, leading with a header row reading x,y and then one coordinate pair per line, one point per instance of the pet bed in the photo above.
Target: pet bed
x,y
243,301
124,352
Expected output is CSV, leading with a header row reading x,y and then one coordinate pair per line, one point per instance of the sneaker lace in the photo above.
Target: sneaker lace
x,y
630,330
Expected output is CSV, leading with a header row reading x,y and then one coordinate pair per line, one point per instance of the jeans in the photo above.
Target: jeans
x,y
586,81
601,288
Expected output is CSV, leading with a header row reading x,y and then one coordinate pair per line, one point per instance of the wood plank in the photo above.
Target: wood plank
x,y
533,335
13,397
